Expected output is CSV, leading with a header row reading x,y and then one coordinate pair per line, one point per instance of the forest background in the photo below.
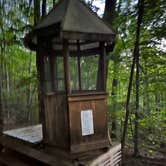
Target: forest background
x,y
18,75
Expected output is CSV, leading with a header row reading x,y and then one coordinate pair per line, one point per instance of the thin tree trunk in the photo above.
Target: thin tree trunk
x,y
135,61
137,54
7,89
1,110
7,78
36,11
1,82
127,103
38,60
137,107
114,99
109,11
146,94
109,15
43,8
29,93
115,81
53,3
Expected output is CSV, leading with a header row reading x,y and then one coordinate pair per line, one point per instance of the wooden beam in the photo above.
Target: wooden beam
x,y
53,68
87,36
101,80
79,68
40,76
87,97
103,56
23,148
66,67
83,147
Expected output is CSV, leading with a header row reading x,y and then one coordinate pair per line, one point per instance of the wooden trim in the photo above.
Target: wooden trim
x,y
88,93
101,78
25,149
67,81
103,56
111,157
89,146
66,67
40,70
49,31
87,36
79,68
54,93
86,98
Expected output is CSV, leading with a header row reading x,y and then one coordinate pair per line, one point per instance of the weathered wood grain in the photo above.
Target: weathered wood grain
x,y
32,134
56,120
28,151
99,139
111,158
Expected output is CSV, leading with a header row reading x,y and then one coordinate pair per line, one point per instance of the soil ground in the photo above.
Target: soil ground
x,y
157,159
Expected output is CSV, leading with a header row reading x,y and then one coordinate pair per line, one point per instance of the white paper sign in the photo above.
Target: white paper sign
x,y
87,122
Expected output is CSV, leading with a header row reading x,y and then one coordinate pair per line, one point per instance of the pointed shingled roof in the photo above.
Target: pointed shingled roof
x,y
75,16
71,20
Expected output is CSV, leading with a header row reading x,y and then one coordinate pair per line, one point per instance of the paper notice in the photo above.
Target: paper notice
x,y
87,122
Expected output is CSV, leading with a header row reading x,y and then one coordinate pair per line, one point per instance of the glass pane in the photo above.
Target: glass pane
x,y
58,73
74,73
53,74
47,69
89,69
46,78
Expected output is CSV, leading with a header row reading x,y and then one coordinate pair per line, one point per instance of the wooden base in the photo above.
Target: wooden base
x,y
16,152
32,134
40,154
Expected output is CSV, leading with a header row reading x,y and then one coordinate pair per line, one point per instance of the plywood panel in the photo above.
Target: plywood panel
x,y
99,108
32,134
56,120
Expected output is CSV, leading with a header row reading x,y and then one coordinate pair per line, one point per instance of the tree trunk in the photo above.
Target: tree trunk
x,y
114,98
146,93
29,93
53,3
7,87
137,54
127,103
1,110
36,11
157,102
135,61
36,20
109,11
136,121
109,15
43,8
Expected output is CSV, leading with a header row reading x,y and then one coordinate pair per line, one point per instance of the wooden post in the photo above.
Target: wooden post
x,y
103,55
40,71
79,69
66,67
101,81
53,68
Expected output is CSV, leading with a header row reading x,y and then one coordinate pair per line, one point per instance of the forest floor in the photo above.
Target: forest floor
x,y
145,159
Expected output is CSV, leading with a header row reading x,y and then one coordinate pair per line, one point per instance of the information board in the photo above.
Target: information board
x,y
87,122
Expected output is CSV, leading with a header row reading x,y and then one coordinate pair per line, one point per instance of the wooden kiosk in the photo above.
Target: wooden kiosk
x,y
71,43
